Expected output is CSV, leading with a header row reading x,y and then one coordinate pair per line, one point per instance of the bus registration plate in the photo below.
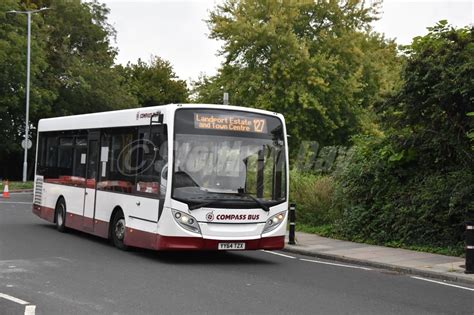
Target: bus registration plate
x,y
231,246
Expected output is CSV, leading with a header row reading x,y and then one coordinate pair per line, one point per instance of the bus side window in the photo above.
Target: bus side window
x,y
51,151
41,160
80,154
117,160
61,158
48,156
151,160
65,156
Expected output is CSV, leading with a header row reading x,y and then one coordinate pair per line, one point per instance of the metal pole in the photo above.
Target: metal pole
x,y
469,248
226,98
25,161
28,58
292,219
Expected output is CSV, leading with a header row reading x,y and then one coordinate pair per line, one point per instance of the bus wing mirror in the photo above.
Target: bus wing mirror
x,y
155,119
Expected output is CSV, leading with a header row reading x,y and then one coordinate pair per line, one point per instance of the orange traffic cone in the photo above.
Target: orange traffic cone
x,y
5,194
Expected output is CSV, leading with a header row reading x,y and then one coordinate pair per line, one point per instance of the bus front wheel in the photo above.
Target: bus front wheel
x,y
118,231
61,215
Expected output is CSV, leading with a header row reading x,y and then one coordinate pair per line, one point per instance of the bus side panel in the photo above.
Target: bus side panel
x,y
43,212
140,234
141,215
73,196
105,204
141,219
39,207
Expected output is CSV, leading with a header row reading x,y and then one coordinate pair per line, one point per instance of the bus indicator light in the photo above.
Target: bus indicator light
x,y
273,222
186,221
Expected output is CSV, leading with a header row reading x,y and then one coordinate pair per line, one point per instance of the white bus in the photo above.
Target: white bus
x,y
172,177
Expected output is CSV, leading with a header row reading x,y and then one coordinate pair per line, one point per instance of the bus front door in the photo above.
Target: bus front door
x,y
91,180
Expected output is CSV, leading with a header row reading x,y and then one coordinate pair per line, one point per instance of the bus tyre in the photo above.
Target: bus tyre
x,y
60,216
118,231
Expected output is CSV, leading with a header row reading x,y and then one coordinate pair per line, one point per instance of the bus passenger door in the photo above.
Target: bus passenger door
x,y
92,170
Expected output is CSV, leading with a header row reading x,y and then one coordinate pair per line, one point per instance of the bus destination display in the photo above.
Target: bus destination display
x,y
230,122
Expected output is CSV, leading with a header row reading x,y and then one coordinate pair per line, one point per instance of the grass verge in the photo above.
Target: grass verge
x,y
17,185
329,230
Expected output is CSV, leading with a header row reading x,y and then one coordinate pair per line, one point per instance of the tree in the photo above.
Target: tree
x,y
72,68
415,185
155,83
430,113
13,77
316,62
80,60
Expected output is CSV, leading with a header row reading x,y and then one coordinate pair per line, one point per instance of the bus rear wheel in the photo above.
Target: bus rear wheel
x,y
60,214
118,231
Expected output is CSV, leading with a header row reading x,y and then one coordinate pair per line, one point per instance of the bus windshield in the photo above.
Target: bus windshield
x,y
228,158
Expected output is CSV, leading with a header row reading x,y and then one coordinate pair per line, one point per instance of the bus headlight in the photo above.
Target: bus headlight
x,y
274,221
186,221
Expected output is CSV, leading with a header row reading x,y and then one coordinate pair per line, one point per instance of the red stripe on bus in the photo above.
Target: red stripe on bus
x,y
44,212
101,228
196,243
139,238
75,221
84,224
142,239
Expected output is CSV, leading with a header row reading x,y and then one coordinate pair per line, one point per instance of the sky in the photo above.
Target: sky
x,y
176,29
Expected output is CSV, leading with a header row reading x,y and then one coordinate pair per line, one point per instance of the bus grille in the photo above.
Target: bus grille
x,y
38,191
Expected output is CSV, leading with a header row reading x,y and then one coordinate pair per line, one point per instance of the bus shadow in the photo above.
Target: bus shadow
x,y
76,233
175,257
203,257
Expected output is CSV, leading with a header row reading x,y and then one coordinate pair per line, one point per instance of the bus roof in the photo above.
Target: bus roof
x,y
129,117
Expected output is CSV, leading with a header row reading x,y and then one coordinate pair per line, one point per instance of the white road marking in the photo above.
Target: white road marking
x,y
18,202
30,310
278,254
444,283
334,264
13,299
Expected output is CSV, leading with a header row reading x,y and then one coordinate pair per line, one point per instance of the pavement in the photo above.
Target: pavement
x,y
401,260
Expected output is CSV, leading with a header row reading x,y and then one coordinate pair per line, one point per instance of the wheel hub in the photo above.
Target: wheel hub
x,y
120,229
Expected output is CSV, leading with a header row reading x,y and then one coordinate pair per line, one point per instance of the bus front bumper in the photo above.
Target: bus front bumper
x,y
195,243
160,242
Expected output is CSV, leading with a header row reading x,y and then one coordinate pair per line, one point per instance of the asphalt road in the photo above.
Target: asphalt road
x,y
73,273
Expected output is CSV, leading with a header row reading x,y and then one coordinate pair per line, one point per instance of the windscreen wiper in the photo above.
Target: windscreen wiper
x,y
200,205
242,192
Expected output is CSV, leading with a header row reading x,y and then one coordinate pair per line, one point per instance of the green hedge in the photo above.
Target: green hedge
x,y
313,195
373,202
389,203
